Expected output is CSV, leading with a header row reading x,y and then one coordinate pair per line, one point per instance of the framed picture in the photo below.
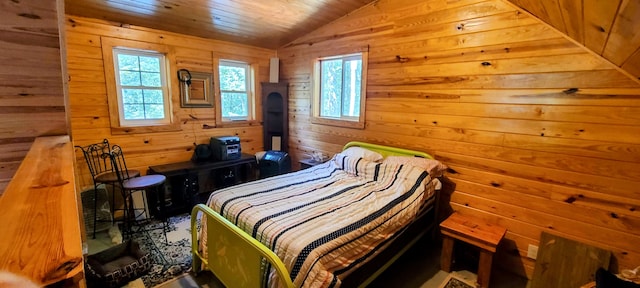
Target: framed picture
x,y
198,93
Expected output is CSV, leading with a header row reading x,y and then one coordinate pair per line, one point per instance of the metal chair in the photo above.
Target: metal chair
x,y
102,172
130,185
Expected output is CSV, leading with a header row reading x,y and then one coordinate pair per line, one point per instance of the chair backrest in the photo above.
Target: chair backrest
x,y
119,164
96,157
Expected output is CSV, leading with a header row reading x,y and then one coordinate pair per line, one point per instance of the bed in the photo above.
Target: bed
x,y
335,224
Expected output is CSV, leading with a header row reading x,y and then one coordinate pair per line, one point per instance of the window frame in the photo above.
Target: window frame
x,y
166,95
342,121
250,90
114,96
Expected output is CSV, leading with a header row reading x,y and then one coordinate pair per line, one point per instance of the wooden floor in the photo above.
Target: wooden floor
x,y
418,268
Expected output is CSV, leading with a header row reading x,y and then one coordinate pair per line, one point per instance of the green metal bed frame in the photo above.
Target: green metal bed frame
x,y
238,260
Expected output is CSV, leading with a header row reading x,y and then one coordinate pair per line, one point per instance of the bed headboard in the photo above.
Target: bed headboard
x,y
387,150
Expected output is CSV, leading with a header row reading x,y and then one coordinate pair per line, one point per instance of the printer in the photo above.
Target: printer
x,y
225,148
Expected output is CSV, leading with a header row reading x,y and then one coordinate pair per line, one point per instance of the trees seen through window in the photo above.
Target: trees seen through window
x,y
141,86
234,90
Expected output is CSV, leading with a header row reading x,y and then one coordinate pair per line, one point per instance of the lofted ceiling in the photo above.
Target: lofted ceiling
x,y
610,28
263,23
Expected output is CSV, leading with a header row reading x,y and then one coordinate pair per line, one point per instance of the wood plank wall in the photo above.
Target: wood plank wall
x,y
88,99
543,135
31,85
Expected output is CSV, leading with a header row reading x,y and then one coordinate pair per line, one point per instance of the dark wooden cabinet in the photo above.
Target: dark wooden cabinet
x,y
275,108
190,183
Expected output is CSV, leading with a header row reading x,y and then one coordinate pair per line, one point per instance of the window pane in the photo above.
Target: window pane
x,y
149,64
128,78
153,96
128,62
234,105
154,111
142,86
151,79
233,78
330,88
133,112
351,93
132,96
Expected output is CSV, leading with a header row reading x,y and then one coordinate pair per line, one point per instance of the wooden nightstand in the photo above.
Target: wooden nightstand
x,y
308,162
475,232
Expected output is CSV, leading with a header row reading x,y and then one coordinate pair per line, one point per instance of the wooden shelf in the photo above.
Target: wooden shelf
x,y
41,236
275,115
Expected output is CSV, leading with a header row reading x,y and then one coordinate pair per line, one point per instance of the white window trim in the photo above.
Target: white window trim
x,y
164,88
343,121
250,90
108,43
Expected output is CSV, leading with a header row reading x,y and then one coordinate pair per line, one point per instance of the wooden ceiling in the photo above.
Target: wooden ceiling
x,y
610,28
263,23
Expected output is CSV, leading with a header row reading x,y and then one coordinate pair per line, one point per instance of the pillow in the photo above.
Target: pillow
x,y
434,167
357,166
359,152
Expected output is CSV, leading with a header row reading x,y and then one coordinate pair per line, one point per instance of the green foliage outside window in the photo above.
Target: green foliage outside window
x,y
234,90
141,83
340,87
331,88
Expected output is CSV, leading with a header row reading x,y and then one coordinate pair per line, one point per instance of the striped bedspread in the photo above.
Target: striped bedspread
x,y
326,220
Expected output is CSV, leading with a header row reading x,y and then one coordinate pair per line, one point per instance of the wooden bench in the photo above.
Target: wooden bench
x,y
475,232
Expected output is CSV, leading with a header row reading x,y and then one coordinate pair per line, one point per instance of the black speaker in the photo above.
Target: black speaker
x,y
201,153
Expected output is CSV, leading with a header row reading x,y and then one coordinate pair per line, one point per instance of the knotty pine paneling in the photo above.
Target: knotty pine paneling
x,y
598,18
624,38
89,110
32,101
268,24
487,89
608,28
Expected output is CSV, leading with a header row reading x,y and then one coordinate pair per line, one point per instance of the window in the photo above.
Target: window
x,y
339,90
141,85
235,91
138,86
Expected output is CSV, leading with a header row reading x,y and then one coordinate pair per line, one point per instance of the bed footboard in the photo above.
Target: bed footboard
x,y
234,257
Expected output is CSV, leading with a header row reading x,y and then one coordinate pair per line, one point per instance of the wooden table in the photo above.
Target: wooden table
x,y
475,232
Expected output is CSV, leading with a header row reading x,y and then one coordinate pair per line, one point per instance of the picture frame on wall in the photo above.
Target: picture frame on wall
x,y
197,93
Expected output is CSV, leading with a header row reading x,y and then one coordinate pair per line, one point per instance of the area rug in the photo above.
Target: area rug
x,y
454,280
170,258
